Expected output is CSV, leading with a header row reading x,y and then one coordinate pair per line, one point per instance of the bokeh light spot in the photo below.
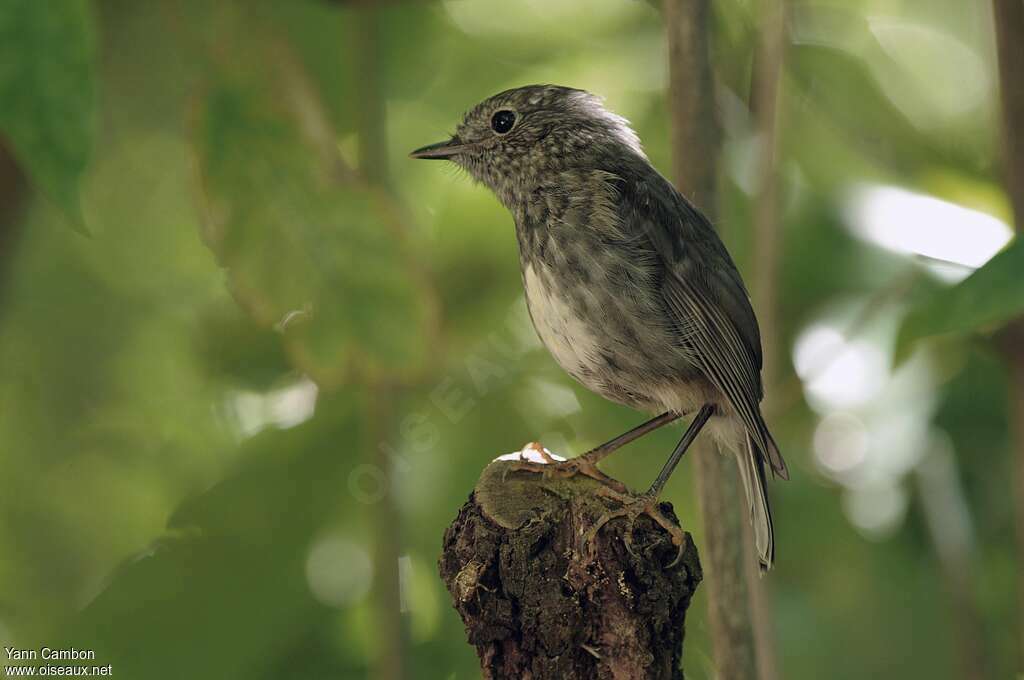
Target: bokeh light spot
x,y
337,570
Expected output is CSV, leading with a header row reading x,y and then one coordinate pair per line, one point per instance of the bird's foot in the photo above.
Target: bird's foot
x,y
631,508
552,468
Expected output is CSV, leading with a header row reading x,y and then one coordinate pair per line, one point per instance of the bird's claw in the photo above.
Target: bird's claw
x,y
523,464
631,508
553,468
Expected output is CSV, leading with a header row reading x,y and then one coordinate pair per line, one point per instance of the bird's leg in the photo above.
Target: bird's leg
x,y
586,464
647,503
600,452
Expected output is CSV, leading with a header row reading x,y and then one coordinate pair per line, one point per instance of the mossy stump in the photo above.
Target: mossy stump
x,y
540,604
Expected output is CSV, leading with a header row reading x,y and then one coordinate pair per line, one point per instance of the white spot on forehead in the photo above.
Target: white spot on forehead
x,y
594,107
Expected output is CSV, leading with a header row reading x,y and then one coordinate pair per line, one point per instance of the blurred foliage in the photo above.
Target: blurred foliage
x,y
254,398
293,241
47,83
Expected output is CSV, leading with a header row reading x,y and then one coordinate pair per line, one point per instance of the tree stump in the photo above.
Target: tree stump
x,y
540,604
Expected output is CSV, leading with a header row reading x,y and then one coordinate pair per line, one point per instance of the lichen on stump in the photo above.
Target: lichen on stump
x,y
538,603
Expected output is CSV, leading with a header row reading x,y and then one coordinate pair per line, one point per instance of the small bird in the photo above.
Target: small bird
x,y
627,284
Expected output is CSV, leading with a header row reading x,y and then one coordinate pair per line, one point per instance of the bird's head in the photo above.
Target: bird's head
x,y
514,139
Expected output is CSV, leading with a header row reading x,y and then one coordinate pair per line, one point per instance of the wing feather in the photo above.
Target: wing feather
x,y
705,296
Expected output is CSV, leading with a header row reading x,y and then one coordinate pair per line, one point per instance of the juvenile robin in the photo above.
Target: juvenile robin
x,y
627,284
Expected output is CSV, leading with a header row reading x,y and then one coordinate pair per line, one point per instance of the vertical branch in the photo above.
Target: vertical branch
x,y
1016,415
691,101
13,200
1009,27
696,145
1009,18
732,634
389,632
371,114
767,233
386,663
767,73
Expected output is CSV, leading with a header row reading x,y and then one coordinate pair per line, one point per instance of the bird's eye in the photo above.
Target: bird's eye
x,y
502,121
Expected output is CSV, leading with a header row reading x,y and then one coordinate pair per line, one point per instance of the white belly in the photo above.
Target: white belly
x,y
567,335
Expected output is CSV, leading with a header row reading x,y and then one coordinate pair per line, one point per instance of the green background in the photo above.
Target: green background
x,y
252,358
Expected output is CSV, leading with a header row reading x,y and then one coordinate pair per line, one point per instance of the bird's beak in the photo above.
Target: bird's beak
x,y
441,150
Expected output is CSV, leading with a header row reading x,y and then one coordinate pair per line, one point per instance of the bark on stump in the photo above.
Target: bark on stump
x,y
538,604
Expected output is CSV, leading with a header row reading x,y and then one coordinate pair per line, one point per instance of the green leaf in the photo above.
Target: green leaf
x,y
981,303
47,86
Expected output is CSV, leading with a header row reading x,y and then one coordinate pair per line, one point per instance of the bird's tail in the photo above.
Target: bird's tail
x,y
751,465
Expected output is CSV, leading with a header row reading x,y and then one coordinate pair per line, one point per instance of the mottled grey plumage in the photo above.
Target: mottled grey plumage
x,y
628,285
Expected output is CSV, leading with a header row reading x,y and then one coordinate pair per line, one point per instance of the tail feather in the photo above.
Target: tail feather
x,y
751,467
774,457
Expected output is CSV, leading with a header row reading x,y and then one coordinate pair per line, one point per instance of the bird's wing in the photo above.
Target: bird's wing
x,y
705,296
